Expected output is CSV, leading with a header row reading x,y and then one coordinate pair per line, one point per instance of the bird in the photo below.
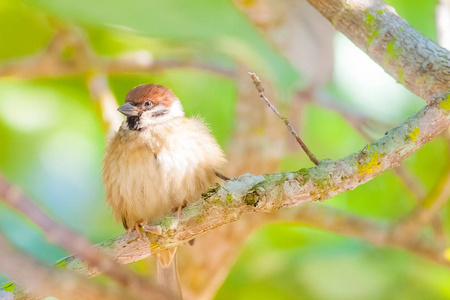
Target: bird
x,y
157,162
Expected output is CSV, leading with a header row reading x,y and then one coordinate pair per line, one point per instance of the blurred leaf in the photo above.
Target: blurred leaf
x,y
22,30
216,23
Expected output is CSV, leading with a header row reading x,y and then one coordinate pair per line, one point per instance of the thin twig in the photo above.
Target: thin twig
x,y
260,89
78,244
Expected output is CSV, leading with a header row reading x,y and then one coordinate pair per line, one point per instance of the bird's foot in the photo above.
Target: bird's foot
x,y
179,214
137,228
146,228
155,229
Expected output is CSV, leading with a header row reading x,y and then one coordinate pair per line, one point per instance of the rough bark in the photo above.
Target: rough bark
x,y
411,58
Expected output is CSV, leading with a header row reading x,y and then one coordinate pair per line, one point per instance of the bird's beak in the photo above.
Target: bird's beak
x,y
129,110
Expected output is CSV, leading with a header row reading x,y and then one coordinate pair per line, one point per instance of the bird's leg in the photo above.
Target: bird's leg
x,y
137,227
178,210
179,213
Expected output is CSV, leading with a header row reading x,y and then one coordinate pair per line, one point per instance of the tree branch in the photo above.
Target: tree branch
x,y
409,228
411,58
268,193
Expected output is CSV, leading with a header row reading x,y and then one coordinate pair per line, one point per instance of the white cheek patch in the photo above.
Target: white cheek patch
x,y
160,114
176,110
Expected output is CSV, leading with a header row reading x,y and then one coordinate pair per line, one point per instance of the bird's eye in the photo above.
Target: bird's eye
x,y
148,103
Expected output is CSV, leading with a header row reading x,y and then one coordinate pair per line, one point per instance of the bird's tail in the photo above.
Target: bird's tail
x,y
167,273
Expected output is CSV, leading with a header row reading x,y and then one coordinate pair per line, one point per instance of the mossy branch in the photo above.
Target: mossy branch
x,y
407,55
248,193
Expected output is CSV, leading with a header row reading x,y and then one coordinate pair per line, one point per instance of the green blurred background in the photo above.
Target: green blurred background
x,y
52,139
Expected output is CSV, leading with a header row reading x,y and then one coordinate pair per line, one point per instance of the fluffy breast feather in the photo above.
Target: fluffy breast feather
x,y
149,173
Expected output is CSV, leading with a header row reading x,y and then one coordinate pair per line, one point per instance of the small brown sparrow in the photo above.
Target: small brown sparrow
x,y
158,162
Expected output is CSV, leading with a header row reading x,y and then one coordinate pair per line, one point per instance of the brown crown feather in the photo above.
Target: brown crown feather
x,y
158,94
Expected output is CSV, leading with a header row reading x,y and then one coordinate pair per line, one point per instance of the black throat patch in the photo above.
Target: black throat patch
x,y
133,123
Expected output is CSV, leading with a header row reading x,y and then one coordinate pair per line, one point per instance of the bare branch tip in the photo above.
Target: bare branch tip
x,y
257,82
260,89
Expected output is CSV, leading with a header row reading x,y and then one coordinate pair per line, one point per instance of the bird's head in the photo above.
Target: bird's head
x,y
150,104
